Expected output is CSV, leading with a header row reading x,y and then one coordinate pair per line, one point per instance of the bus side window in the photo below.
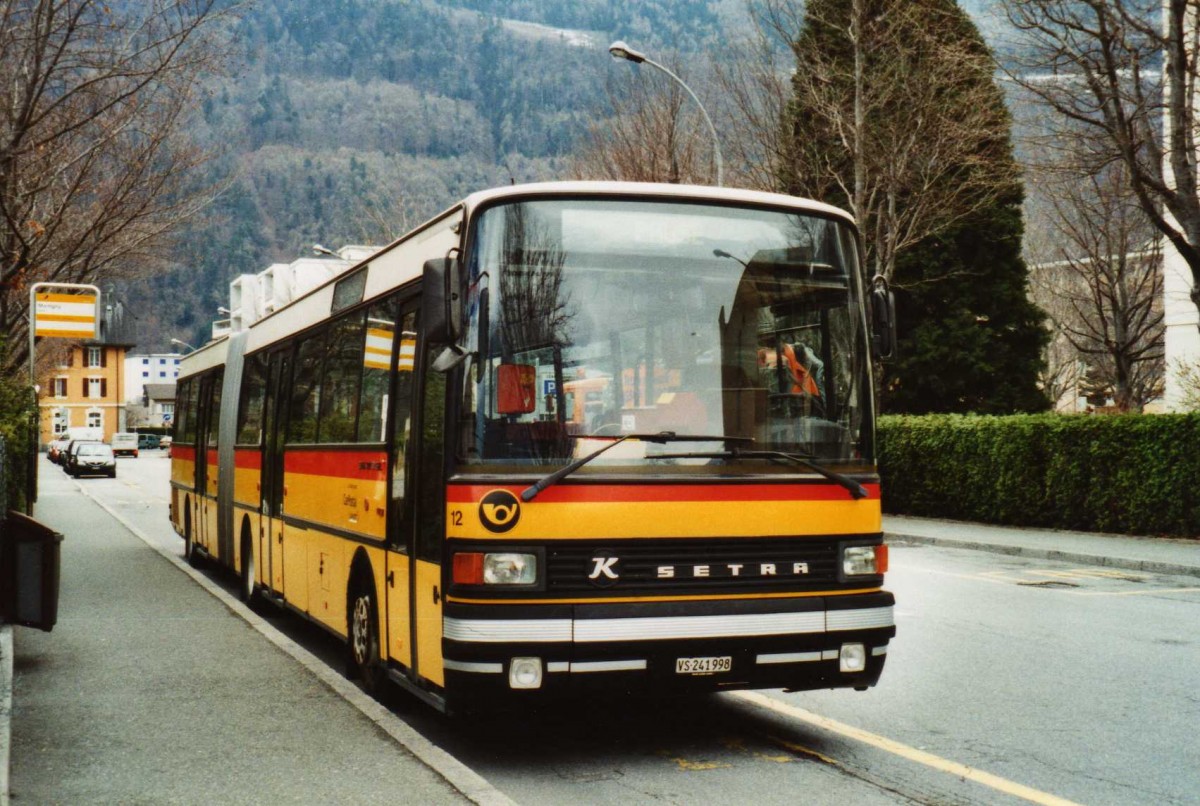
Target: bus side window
x,y
379,342
213,408
402,428
250,406
341,379
306,389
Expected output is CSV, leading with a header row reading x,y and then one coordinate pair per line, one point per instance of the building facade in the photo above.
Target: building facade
x,y
84,392
145,369
159,402
85,387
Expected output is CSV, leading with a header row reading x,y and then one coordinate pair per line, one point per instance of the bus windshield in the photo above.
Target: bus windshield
x,y
592,319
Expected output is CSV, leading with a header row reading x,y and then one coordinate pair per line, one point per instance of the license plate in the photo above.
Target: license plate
x,y
703,665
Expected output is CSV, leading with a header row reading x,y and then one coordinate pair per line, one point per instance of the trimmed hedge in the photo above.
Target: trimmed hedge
x,y
18,419
1132,474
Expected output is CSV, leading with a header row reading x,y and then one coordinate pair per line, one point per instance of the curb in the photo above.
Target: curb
x,y
6,681
470,784
1124,563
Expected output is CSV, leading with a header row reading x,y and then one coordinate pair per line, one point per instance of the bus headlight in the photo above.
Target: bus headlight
x,y
852,658
525,673
494,568
864,560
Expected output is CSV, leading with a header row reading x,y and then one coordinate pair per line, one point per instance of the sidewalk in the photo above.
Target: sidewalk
x,y
1154,555
151,689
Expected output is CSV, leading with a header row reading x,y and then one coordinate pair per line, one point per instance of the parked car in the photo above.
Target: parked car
x,y
148,441
125,443
69,451
92,459
55,448
165,442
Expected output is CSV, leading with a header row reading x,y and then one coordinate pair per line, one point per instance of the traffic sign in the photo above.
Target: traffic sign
x,y
61,315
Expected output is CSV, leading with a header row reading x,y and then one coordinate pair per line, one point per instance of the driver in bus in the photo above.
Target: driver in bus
x,y
792,368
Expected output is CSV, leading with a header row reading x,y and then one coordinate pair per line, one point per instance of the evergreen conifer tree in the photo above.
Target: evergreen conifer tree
x,y
970,339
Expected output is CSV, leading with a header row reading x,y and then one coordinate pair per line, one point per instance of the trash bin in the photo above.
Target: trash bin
x,y
30,556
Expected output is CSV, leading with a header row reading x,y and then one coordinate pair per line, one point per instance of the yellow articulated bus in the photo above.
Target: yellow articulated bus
x,y
564,438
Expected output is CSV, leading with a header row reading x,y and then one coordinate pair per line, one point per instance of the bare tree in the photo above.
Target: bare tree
x,y
753,76
895,112
654,134
97,159
1117,69
1107,281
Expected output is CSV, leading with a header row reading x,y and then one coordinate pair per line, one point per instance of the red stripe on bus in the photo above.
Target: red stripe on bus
x,y
370,465
183,452
665,493
247,459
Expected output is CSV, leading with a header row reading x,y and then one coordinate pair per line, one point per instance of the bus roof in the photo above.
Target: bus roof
x,y
313,306
655,189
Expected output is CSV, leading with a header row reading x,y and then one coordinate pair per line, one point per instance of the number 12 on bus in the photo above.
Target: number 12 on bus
x,y
562,439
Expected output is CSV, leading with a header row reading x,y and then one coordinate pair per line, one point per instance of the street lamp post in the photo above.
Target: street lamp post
x,y
183,344
620,50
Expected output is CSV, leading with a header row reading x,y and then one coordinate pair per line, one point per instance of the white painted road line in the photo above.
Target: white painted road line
x,y
904,751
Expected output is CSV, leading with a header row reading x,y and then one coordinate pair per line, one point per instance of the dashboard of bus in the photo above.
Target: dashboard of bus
x,y
738,331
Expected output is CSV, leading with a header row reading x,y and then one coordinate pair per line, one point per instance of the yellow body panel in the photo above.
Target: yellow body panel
x,y
208,510
429,623
357,505
183,471
294,554
247,487
327,560
398,630
657,519
243,515
272,547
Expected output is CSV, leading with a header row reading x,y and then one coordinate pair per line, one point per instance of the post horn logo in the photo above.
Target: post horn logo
x,y
499,511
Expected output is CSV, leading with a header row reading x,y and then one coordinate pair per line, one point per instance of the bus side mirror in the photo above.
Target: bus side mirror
x,y
883,319
441,300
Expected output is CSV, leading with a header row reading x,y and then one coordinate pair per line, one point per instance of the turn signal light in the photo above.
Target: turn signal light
x,y
468,568
865,560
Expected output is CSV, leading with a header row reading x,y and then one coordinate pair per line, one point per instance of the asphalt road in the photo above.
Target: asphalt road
x,y
1010,680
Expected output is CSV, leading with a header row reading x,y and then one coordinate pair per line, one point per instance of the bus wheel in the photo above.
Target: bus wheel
x,y
189,545
248,591
363,633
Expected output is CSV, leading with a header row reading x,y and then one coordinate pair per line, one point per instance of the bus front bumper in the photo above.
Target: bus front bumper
x,y
667,647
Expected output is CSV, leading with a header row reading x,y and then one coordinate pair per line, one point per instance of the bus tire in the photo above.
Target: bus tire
x,y
248,590
362,636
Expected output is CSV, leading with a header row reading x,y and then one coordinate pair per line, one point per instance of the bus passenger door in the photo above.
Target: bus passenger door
x,y
274,424
429,516
398,591
200,466
209,417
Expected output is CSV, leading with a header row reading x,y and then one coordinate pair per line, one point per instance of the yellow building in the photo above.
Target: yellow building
x,y
84,389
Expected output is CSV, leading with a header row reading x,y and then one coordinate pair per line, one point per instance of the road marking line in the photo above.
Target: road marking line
x,y
1151,592
904,751
687,765
999,578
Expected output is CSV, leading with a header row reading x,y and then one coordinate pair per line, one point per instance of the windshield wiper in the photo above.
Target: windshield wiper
x,y
855,489
662,437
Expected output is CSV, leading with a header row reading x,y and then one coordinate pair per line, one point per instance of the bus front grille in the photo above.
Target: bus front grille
x,y
692,567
